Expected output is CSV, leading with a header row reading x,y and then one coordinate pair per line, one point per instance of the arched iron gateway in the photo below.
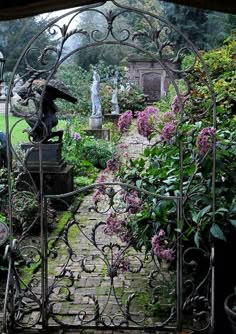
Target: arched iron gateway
x,y
50,301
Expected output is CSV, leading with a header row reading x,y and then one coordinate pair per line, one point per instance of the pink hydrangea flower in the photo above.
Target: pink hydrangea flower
x,y
150,110
147,120
125,120
101,190
113,224
168,132
204,140
133,201
120,262
175,106
116,226
159,250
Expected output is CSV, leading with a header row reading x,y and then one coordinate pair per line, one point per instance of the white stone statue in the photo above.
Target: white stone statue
x,y
114,99
95,97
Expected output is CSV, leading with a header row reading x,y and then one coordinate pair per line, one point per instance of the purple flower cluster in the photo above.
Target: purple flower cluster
x,y
175,106
132,201
101,190
168,132
146,121
120,262
204,139
125,120
159,250
76,136
150,110
111,165
115,226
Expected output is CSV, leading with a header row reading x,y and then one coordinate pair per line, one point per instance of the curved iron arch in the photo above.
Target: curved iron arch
x,y
129,41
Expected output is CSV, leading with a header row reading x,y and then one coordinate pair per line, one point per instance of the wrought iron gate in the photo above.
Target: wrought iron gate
x,y
101,288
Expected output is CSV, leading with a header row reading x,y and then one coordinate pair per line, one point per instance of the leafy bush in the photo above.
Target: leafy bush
x,y
85,153
158,169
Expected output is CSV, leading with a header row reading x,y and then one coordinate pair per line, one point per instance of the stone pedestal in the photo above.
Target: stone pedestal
x,y
95,128
51,157
95,122
57,176
99,133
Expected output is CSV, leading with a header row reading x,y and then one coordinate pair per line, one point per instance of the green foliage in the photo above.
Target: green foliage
x,y
221,25
158,170
190,21
132,99
3,264
199,25
15,34
221,63
97,152
79,81
86,154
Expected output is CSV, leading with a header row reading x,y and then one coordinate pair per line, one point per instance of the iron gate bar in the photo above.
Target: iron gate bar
x,y
93,41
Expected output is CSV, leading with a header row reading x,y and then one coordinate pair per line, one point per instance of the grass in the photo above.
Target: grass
x,y
17,132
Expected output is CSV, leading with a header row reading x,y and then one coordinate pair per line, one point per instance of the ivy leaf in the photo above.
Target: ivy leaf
x,y
138,183
217,232
196,239
233,222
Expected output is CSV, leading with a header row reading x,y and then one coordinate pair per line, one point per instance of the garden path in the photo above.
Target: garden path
x,y
98,282
94,280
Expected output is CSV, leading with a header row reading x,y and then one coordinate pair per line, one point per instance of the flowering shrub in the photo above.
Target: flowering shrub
x,y
175,105
116,226
132,201
204,139
158,169
159,248
168,132
146,121
120,263
85,153
125,120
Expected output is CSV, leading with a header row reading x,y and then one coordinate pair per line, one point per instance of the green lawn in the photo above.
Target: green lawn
x,y
17,133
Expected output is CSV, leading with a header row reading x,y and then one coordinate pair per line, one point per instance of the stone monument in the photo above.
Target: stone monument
x,y
95,121
58,177
114,99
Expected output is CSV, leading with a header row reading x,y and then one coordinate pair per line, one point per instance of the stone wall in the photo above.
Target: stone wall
x,y
150,76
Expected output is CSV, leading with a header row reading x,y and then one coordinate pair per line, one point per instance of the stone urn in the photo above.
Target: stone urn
x,y
230,310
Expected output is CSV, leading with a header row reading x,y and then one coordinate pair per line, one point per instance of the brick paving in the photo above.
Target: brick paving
x,y
97,282
89,267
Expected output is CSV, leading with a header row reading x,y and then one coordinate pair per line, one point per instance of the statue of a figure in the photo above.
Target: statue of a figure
x,y
114,99
95,97
42,126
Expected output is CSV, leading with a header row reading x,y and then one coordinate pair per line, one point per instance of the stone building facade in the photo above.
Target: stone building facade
x,y
150,76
